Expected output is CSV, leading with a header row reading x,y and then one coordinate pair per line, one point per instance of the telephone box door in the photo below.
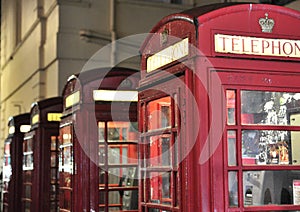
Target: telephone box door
x,y
260,139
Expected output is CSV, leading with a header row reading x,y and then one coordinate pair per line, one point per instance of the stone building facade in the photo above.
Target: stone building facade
x,y
43,42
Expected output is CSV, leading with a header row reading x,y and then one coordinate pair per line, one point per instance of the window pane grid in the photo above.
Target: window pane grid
x,y
159,166
118,185
65,167
249,171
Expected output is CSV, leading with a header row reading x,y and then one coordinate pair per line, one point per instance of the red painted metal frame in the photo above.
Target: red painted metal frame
x,y
83,118
12,198
42,133
206,72
148,148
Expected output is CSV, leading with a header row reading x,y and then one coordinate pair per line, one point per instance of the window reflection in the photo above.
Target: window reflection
x,y
231,146
118,131
233,188
230,104
267,108
160,151
272,140
28,153
265,147
117,142
66,152
295,138
118,155
159,113
160,190
7,169
271,187
53,143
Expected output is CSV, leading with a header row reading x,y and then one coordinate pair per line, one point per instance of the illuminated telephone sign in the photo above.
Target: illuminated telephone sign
x,y
257,46
113,95
168,55
35,119
54,116
72,99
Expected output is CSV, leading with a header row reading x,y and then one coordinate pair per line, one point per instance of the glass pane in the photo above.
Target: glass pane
x,y
124,151
160,188
101,155
166,182
101,135
114,176
118,177
66,137
65,199
130,197
27,175
119,172
159,113
113,134
67,158
53,206
233,189
268,147
53,143
27,192
102,179
114,198
129,177
271,187
115,131
53,192
118,131
132,132
27,144
27,184
117,147
295,138
159,151
230,103
28,161
27,206
231,139
28,154
53,159
267,108
65,180
124,154
7,169
65,163
102,197
66,150
114,156
54,176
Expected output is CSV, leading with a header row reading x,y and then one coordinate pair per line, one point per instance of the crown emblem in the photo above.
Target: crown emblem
x,y
266,24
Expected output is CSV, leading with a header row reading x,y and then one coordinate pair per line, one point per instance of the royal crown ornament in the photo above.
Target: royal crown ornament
x,y
266,23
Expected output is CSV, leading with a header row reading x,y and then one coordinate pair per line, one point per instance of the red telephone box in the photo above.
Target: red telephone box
x,y
219,110
98,141
40,157
12,162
